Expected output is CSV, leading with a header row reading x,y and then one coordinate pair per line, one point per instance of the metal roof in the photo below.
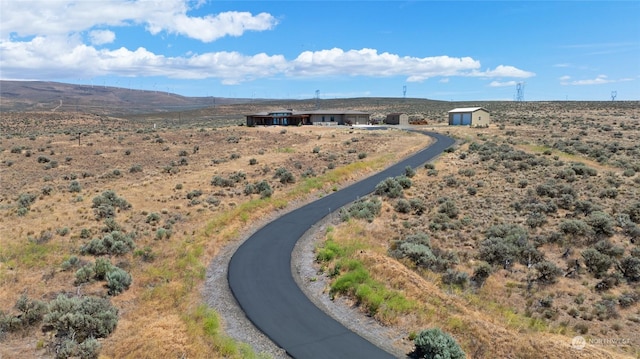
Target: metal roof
x,y
467,109
313,112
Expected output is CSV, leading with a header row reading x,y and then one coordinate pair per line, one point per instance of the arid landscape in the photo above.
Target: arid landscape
x,y
521,237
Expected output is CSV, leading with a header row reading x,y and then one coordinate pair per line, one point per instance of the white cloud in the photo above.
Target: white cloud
x,y
368,62
502,84
598,80
101,37
59,17
505,71
43,39
66,57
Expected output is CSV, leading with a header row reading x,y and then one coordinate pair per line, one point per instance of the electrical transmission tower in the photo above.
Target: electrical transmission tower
x,y
317,99
613,95
520,91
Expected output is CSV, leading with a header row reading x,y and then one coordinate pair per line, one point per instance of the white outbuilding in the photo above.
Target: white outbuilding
x,y
469,116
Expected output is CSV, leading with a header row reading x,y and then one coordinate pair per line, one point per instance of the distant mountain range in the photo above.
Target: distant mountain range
x,y
55,96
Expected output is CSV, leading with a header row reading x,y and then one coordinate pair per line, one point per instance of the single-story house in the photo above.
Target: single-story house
x,y
397,119
278,117
315,117
469,116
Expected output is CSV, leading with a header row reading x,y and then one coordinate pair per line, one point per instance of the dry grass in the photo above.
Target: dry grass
x,y
160,315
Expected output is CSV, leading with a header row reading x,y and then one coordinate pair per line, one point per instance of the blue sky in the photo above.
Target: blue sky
x,y
443,50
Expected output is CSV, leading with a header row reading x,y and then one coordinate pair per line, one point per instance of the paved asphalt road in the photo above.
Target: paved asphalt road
x,y
261,280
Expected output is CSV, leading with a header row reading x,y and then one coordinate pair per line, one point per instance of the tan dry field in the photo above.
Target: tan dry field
x,y
174,185
506,317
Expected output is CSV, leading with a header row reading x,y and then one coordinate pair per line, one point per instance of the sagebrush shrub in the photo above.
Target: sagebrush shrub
x,y
409,171
601,223
389,188
362,209
80,318
481,273
105,204
630,268
449,208
114,243
547,272
455,278
402,206
596,262
284,175
118,280
434,343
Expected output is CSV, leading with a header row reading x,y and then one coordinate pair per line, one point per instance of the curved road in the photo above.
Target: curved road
x,y
260,275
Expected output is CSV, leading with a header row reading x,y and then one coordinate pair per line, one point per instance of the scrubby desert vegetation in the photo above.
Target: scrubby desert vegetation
x,y
107,225
523,236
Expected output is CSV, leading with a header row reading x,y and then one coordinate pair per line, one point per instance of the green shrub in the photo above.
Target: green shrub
x,y
118,280
31,311
72,262
455,278
596,262
47,190
163,233
85,274
601,223
329,251
451,181
146,254
409,171
630,268
80,319
547,272
628,299
135,168
606,247
362,209
404,181
634,211
101,268
574,227
608,193
434,343
25,200
481,273
536,219
402,206
193,194
284,175
586,207
153,218
417,205
114,243
74,186
105,204
449,208
62,231
467,172
389,188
